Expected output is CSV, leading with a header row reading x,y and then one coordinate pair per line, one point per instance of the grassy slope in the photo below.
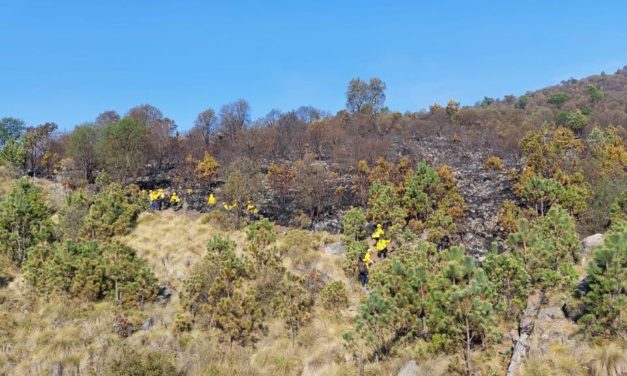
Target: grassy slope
x,y
70,337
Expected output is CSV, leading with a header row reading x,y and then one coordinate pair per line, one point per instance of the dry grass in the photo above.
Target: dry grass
x,y
39,337
172,242
74,338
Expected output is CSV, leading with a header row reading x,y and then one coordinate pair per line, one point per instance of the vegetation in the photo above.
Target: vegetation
x,y
93,283
606,301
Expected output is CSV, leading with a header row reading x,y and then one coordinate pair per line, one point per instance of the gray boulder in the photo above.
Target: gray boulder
x,y
148,323
336,249
409,369
589,244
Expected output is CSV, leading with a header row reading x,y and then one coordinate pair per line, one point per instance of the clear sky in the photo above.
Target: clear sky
x,y
67,61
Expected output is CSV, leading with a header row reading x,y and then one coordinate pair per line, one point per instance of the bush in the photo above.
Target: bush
x,y
72,214
354,224
494,163
558,99
509,216
575,121
606,302
24,221
113,212
131,363
91,271
217,291
549,247
334,296
219,219
183,322
206,169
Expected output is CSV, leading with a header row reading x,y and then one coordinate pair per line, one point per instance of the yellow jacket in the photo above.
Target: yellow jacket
x,y
229,207
367,259
382,244
378,232
251,207
174,198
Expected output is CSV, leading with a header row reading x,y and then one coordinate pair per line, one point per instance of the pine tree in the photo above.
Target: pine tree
x,y
423,190
510,279
548,248
354,225
606,302
218,291
91,271
113,212
384,207
260,235
293,304
459,306
24,221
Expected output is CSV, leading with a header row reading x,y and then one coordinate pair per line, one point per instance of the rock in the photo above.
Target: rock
x,y
592,241
148,323
525,328
332,225
409,369
583,287
589,244
165,294
573,311
336,249
551,313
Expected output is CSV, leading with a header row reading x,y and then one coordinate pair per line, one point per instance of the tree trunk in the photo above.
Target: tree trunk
x,y
467,351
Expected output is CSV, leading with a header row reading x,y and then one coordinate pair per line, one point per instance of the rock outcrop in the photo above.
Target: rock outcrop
x,y
525,329
588,246
336,249
409,369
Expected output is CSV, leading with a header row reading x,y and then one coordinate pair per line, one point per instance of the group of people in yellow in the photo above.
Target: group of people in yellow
x,y
250,206
158,201
381,246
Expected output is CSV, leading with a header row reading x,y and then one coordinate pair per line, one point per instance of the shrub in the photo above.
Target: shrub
x,y
91,271
606,301
206,169
494,163
293,304
72,214
549,248
131,363
13,156
113,212
24,221
216,291
219,219
558,99
575,121
354,224
334,296
183,322
509,216
510,279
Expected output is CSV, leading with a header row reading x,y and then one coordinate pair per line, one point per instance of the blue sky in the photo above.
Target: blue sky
x,y
67,61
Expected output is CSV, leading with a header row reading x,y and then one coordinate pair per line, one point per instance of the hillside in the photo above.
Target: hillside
x,y
463,240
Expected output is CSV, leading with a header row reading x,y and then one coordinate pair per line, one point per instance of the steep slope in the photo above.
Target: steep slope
x,y
483,189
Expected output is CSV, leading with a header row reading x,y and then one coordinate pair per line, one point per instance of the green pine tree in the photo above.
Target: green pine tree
x,y
606,302
24,221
